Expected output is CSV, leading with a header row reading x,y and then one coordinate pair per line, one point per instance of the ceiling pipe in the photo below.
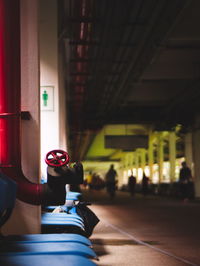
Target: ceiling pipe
x,y
81,67
10,94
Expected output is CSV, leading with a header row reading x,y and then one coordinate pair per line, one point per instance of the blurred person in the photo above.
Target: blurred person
x,y
145,185
111,181
97,182
89,179
131,184
185,180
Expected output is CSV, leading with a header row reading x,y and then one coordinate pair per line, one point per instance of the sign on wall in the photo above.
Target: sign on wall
x,y
126,142
47,98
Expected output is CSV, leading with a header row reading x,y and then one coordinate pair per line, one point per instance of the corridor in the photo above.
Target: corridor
x,y
149,231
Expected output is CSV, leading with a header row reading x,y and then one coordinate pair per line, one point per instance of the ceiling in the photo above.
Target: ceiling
x,y
129,62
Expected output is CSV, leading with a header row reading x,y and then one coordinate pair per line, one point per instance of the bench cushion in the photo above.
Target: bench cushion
x,y
44,238
45,260
13,249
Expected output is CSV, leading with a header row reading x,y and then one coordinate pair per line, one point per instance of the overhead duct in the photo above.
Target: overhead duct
x,y
126,142
80,51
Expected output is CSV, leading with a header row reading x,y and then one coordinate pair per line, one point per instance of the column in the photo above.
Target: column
x,y
172,155
188,151
130,160
143,158
136,163
150,155
196,156
25,217
160,156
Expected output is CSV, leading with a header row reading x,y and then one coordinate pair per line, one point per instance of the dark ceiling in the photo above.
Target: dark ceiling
x,y
129,61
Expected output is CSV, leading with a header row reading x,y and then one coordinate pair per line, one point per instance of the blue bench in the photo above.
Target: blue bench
x,y
67,220
70,196
66,217
44,249
44,260
48,238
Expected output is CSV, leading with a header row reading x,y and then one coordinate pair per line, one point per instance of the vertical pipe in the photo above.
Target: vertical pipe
x,y
9,81
10,148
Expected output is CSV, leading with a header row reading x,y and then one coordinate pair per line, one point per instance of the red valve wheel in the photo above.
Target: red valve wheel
x,y
57,158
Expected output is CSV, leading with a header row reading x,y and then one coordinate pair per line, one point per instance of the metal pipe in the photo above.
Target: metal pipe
x,y
10,146
83,34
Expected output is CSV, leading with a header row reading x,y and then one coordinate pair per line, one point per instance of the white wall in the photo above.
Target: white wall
x,y
63,130
50,119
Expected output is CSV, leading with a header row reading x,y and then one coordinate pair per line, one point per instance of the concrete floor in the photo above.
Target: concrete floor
x,y
145,231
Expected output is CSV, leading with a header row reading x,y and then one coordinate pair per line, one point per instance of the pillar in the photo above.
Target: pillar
x,y
150,155
143,158
25,218
136,155
196,156
160,156
130,160
188,151
172,155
